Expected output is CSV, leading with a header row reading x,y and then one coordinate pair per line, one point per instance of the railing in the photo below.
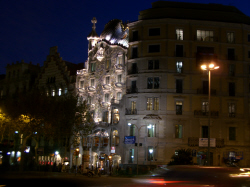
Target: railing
x,y
132,90
129,111
119,67
202,91
194,142
133,71
205,113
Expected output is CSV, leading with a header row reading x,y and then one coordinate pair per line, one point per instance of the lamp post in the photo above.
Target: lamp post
x,y
138,133
209,67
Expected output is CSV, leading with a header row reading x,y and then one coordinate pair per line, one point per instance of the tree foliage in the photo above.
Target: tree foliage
x,y
36,115
184,157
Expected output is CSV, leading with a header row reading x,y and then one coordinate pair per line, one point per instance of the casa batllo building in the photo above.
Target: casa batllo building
x,y
166,103
102,84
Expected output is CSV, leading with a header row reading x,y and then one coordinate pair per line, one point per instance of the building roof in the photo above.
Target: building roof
x,y
194,11
115,33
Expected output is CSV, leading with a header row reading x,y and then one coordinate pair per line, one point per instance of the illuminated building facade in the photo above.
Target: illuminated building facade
x,y
102,84
167,92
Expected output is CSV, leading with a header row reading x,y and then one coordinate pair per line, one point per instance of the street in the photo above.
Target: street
x,y
187,176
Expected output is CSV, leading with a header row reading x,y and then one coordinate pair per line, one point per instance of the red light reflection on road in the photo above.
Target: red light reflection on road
x,y
163,182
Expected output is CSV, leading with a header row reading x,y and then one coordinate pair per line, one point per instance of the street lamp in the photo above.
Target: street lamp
x,y
209,67
138,133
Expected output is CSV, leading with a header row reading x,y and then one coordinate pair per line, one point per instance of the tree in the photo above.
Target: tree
x,y
183,157
36,116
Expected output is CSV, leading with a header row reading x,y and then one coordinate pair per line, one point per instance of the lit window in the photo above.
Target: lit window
x,y
231,109
132,130
53,93
203,35
150,153
230,37
178,131
179,34
119,59
178,105
151,130
131,156
108,64
59,91
205,107
119,96
92,67
153,103
179,67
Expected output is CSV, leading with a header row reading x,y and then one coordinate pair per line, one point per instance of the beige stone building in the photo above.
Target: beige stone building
x,y
167,92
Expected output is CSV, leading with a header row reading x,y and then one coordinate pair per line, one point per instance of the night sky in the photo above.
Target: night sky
x,y
28,28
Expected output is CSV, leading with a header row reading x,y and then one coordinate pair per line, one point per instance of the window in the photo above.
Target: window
x,y
231,109
92,67
108,64
231,87
53,93
150,153
107,79
179,51
105,116
153,103
89,100
178,85
178,105
92,82
179,34
119,96
81,85
178,131
154,32
205,108
204,132
119,59
134,52
231,54
133,87
133,107
60,91
179,67
151,130
119,78
154,48
230,37
135,36
132,130
248,37
131,156
65,90
203,35
106,98
232,133
153,83
153,64
231,69
205,87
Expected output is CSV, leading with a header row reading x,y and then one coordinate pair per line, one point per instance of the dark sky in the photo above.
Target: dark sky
x,y
28,28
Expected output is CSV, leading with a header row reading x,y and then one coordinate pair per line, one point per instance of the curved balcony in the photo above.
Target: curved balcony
x,y
119,67
91,88
106,86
